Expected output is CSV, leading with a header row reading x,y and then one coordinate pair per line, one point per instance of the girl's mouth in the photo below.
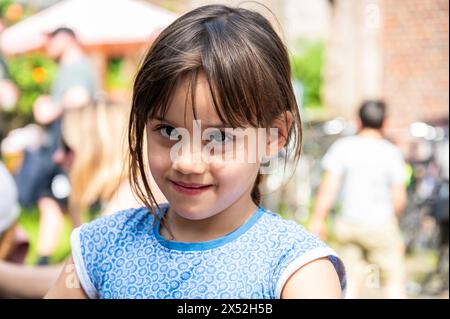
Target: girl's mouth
x,y
190,188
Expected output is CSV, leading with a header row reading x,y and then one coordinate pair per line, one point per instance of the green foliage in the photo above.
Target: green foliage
x,y
33,75
115,77
28,8
170,5
307,63
4,4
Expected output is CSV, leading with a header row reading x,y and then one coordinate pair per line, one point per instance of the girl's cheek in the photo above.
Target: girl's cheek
x,y
233,157
234,175
159,159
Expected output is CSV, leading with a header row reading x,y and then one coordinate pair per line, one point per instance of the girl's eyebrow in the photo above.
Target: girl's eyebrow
x,y
219,125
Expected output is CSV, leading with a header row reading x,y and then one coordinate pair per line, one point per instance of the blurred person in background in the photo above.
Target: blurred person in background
x,y
8,91
370,173
40,181
437,281
13,244
93,150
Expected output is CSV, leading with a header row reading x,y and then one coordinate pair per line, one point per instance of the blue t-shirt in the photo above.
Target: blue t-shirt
x,y
124,256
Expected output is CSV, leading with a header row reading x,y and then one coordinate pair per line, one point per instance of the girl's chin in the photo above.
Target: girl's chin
x,y
191,210
194,215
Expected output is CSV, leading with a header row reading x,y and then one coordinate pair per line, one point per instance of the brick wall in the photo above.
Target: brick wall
x,y
415,44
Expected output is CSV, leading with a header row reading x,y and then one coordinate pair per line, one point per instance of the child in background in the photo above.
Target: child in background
x,y
215,70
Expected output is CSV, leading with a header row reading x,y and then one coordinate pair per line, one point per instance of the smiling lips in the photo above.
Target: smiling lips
x,y
190,188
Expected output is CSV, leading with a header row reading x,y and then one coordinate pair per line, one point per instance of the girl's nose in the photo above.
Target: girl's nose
x,y
189,163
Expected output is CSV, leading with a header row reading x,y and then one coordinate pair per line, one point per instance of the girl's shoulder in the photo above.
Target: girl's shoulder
x,y
120,220
292,246
285,231
120,225
94,244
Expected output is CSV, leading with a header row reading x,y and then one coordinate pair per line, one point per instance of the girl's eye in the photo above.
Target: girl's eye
x,y
219,137
168,132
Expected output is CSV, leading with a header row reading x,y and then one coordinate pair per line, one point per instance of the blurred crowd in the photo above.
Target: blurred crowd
x,y
70,160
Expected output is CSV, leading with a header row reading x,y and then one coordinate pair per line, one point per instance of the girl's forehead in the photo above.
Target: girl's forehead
x,y
181,107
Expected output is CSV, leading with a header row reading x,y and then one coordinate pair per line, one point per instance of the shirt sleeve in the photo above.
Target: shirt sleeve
x,y
82,262
93,246
308,248
334,159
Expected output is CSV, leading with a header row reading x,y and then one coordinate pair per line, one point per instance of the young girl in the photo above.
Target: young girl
x,y
214,69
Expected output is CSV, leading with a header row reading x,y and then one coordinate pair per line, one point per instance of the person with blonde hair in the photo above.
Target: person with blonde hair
x,y
97,171
93,151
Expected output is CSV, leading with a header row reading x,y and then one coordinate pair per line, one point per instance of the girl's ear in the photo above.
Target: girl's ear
x,y
277,140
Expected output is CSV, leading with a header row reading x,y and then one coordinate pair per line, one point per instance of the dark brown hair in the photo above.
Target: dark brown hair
x,y
372,114
247,68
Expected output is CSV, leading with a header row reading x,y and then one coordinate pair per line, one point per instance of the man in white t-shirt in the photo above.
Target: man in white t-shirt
x,y
369,174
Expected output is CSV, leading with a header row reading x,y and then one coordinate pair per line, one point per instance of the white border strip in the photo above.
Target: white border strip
x,y
295,265
80,267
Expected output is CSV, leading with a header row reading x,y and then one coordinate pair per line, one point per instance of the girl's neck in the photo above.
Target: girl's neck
x,y
219,225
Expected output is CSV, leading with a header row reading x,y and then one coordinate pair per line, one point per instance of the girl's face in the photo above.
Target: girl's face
x,y
197,186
